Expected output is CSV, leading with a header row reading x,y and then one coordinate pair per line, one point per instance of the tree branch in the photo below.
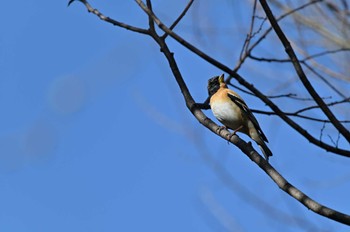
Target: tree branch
x,y
301,74
243,82
108,19
150,20
189,4
245,147
297,115
263,36
346,100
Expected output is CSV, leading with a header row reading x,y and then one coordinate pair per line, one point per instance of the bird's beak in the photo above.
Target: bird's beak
x,y
221,79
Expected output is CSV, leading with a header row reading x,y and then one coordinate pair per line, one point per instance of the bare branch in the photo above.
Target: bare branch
x,y
263,36
319,28
323,79
150,20
246,148
249,35
346,100
326,53
249,86
248,196
189,4
297,116
302,60
301,74
305,64
109,20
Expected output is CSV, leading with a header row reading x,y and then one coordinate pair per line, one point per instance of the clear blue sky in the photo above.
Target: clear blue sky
x,y
95,135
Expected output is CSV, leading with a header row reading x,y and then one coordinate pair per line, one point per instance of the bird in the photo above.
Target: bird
x,y
231,110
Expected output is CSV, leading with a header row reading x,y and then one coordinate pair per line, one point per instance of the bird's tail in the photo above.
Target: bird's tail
x,y
265,150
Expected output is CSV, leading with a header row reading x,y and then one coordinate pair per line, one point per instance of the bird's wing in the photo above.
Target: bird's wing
x,y
241,104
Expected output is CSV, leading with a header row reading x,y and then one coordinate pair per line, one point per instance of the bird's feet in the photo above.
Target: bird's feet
x,y
229,137
240,127
220,129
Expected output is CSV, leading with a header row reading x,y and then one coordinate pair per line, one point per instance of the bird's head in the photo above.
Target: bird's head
x,y
215,83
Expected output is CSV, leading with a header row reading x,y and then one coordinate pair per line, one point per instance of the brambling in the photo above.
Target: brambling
x,y
230,109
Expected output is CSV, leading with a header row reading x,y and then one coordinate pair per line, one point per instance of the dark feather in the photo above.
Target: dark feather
x,y
241,104
213,85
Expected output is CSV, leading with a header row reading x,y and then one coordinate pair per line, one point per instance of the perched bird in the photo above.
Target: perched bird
x,y
230,109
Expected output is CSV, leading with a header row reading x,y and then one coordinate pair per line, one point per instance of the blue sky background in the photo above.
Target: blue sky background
x,y
95,135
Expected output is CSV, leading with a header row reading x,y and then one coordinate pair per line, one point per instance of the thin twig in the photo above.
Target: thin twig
x,y
250,33
346,100
297,116
292,11
183,13
263,59
302,60
108,19
323,79
326,53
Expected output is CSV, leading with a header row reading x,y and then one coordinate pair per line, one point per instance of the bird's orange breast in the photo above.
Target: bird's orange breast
x,y
225,110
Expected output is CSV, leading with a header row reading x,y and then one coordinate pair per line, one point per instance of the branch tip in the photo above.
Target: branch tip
x,y
71,1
